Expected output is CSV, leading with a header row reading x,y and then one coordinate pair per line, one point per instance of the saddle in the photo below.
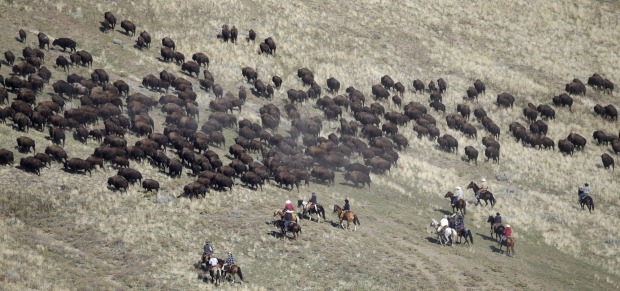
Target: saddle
x,y
442,228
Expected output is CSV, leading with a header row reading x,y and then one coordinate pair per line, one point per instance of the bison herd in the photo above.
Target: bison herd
x,y
367,140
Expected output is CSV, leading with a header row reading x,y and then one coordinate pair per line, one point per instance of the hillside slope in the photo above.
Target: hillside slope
x,y
68,231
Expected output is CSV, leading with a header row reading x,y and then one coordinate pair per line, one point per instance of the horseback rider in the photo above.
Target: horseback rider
x,y
483,188
213,262
288,207
229,262
458,196
584,192
314,204
507,233
443,223
207,249
288,219
458,219
346,208
497,221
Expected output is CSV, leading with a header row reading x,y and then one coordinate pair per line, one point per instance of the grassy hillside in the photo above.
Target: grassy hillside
x,y
68,231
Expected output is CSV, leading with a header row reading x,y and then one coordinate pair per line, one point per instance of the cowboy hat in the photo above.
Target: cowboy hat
x,y
458,187
507,225
483,180
288,201
497,214
445,216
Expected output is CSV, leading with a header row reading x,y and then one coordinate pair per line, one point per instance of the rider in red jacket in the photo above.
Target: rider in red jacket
x,y
289,207
507,233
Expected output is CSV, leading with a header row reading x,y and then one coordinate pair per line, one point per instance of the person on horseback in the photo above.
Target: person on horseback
x,y
458,222
496,222
507,233
483,187
288,207
213,262
314,202
207,249
443,223
584,192
288,219
229,262
346,208
458,196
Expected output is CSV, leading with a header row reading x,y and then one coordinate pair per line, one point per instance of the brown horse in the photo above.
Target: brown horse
x,y
348,215
486,195
232,271
293,227
460,205
510,246
281,214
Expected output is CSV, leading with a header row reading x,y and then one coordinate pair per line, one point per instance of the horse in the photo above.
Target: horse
x,y
281,214
349,216
510,246
486,195
309,209
460,205
447,234
498,231
216,273
293,227
232,271
587,201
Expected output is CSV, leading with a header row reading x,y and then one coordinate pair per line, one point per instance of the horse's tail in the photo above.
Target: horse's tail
x,y
239,273
356,220
592,203
322,212
471,237
492,199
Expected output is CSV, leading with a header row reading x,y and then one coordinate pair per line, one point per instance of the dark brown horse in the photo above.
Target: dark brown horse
x,y
486,195
232,271
498,231
293,227
348,215
587,201
460,205
510,246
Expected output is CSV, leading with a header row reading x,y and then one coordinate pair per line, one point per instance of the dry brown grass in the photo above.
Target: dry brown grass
x,y
64,231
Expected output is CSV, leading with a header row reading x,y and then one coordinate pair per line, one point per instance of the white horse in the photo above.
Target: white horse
x,y
448,234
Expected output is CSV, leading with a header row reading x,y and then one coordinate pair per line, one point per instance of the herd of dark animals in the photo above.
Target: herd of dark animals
x,y
284,160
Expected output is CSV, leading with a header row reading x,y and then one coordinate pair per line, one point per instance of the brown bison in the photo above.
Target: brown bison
x,y
31,164
118,183
566,147
472,154
6,157
607,161
128,26
505,100
492,153
357,178
324,174
25,143
65,43
75,165
130,174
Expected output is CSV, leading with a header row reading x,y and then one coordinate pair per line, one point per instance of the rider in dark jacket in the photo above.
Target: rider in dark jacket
x,y
497,221
314,202
346,207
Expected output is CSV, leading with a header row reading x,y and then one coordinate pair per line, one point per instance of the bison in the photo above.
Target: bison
x,y
128,26
357,178
31,164
65,43
24,144
118,183
607,161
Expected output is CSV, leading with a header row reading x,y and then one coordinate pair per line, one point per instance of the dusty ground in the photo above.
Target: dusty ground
x,y
66,231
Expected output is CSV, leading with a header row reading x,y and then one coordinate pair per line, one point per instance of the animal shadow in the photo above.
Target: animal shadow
x,y
486,237
123,32
446,212
432,240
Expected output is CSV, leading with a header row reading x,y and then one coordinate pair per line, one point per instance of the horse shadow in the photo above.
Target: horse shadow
x,y
486,237
432,239
102,27
446,212
495,249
